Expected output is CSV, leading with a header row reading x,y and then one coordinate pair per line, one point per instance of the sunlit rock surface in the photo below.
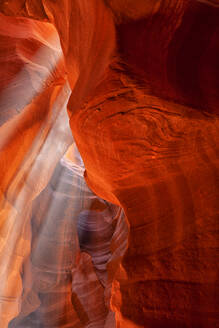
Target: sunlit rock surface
x,y
139,82
65,281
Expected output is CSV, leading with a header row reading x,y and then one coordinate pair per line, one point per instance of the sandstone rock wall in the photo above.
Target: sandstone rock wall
x,y
140,84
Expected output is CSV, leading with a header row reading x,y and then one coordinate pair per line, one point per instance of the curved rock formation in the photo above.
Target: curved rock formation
x,y
65,282
142,82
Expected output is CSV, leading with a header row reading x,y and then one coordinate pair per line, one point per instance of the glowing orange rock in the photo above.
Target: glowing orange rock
x,y
143,111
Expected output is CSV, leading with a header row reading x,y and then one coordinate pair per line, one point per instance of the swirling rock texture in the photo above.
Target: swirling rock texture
x,y
140,82
65,279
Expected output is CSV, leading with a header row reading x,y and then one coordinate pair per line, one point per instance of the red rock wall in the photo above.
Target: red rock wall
x,y
144,113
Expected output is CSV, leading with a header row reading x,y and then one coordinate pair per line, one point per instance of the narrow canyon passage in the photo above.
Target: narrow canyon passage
x,y
65,279
109,166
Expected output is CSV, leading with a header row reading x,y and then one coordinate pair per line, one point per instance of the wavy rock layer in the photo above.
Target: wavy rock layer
x,y
65,280
169,191
149,139
140,80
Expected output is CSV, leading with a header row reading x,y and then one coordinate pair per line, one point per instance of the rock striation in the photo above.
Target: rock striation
x,y
139,82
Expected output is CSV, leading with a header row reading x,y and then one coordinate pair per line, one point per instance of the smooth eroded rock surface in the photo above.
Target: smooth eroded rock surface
x,y
139,82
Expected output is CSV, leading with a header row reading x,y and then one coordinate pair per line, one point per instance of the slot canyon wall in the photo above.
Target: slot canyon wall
x,y
128,237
